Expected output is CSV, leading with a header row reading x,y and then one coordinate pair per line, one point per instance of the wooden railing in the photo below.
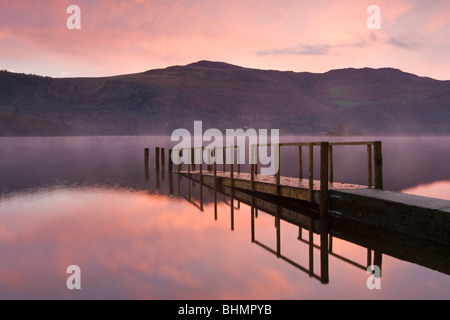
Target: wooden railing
x,y
374,161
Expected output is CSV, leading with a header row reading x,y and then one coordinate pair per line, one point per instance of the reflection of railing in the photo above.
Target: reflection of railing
x,y
377,256
324,272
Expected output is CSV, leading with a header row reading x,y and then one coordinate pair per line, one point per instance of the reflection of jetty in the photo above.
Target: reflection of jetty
x,y
305,216
419,216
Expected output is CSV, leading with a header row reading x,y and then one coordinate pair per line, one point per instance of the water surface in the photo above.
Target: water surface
x,y
87,201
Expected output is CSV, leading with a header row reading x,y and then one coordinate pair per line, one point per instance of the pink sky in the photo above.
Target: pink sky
x,y
118,37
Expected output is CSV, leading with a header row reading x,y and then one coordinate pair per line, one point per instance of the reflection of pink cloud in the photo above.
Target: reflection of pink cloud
x,y
141,245
439,189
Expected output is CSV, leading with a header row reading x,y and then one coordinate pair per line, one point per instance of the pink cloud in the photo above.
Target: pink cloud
x,y
133,36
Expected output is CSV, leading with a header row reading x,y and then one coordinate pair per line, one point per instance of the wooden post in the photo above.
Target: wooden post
x,y
278,173
231,175
324,148
378,160
189,167
238,160
330,160
256,159
193,158
252,168
157,158
369,165
215,166
223,156
252,176
209,166
231,165
300,163
311,172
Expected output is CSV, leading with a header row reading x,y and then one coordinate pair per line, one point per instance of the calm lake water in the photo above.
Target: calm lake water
x,y
87,201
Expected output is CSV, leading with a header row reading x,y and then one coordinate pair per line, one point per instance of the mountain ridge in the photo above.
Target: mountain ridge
x,y
222,95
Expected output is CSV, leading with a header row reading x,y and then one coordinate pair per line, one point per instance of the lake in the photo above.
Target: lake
x,y
87,201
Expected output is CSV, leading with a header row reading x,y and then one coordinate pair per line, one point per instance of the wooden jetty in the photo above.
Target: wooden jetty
x,y
419,216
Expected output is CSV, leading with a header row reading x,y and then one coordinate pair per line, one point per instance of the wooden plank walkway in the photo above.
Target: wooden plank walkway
x,y
289,187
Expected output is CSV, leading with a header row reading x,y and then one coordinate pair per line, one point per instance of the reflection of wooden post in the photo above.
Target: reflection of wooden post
x,y
147,174
324,274
180,154
157,158
163,159
369,165
252,210
170,160
232,209
215,183
179,184
377,259
146,162
189,177
146,156
311,247
215,199
378,160
311,172
170,182
324,148
300,229
201,189
369,257
278,225
157,178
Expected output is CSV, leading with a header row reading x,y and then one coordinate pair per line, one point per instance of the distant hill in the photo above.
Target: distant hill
x,y
367,101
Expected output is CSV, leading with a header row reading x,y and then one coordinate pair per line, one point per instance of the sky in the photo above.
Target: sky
x,y
130,36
